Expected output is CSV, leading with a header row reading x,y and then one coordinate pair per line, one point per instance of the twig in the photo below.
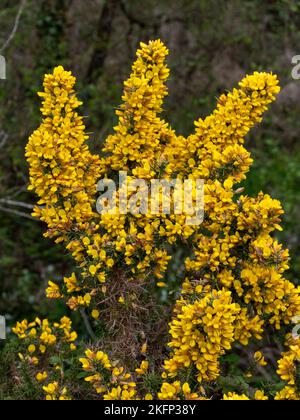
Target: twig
x,y
15,28
16,203
88,325
17,213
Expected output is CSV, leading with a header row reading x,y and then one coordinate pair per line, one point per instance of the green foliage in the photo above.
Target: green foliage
x,y
213,43
13,385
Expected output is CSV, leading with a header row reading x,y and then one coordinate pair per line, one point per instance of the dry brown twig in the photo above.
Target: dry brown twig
x,y
8,202
15,27
17,213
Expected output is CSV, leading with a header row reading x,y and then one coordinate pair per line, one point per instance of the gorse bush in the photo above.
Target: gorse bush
x,y
233,298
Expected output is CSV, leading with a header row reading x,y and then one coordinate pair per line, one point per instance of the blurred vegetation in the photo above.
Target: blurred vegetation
x,y
212,46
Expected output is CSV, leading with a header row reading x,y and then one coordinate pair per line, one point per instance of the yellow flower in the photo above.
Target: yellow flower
x,y
34,361
43,349
51,388
32,333
41,376
86,241
231,396
202,332
287,394
144,348
93,270
54,392
72,284
32,348
260,396
102,277
95,314
85,363
288,364
234,285
143,368
259,358
53,291
110,263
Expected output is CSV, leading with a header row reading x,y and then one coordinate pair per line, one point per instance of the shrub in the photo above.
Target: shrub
x,y
233,298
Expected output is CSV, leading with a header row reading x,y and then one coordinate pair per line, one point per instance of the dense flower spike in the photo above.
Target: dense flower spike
x,y
214,151
234,289
201,333
62,170
289,370
139,132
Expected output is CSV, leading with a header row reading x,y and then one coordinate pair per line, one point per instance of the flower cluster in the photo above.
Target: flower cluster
x,y
136,141
107,378
234,288
62,170
111,382
176,391
201,333
258,396
45,348
40,335
56,393
289,371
